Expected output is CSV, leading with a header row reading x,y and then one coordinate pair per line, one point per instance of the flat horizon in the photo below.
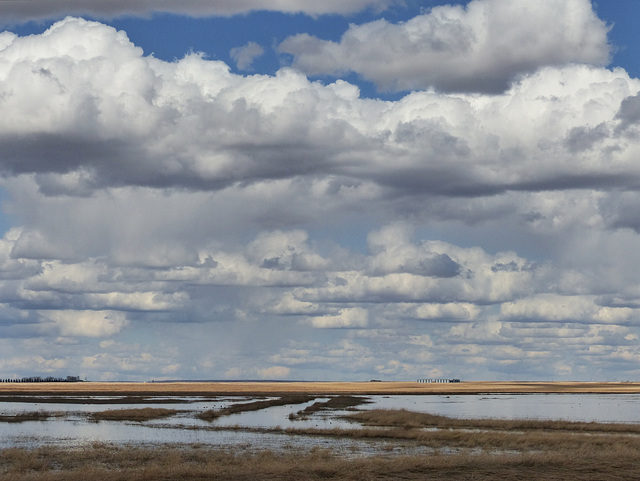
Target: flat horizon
x,y
320,387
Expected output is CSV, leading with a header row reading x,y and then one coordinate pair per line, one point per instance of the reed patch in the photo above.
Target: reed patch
x,y
26,416
142,414
213,414
106,462
408,419
334,403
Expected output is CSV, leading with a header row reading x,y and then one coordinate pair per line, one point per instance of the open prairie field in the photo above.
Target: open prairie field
x,y
280,388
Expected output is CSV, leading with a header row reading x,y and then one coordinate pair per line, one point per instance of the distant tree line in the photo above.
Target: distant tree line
x,y
43,379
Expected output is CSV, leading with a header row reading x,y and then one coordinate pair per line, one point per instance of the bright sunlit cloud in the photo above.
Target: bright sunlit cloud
x,y
215,215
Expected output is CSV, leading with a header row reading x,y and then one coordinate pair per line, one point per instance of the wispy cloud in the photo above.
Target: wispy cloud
x,y
245,55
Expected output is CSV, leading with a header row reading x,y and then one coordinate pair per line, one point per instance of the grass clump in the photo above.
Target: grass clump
x,y
113,463
25,416
142,414
402,418
337,402
213,414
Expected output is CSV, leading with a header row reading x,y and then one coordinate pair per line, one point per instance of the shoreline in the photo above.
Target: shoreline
x,y
256,388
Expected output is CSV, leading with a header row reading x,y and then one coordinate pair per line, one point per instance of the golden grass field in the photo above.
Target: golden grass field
x,y
355,388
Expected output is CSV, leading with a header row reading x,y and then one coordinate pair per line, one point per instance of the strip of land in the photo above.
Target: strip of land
x,y
311,388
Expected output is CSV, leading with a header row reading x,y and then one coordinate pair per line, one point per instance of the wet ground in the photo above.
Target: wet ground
x,y
70,423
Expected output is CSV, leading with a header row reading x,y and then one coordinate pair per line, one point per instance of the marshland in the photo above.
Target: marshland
x,y
298,431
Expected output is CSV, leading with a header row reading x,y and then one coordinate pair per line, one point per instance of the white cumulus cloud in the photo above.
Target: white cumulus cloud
x,y
480,47
345,318
273,222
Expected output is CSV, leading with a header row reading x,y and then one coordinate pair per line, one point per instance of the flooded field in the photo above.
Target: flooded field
x,y
69,420
143,435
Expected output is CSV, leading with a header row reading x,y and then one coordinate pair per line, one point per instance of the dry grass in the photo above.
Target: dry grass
x,y
476,449
212,414
311,388
338,402
402,418
26,416
142,414
514,442
109,463
521,437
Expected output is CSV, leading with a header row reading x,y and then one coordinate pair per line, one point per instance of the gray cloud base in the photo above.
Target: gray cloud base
x,y
23,10
178,220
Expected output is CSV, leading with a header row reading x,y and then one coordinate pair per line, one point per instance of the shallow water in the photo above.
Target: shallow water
x,y
72,426
604,408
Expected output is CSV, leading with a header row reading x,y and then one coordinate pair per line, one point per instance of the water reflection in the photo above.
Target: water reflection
x,y
72,426
604,408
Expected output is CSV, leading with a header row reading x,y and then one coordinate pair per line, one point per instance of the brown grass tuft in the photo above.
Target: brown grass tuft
x,y
337,402
110,463
213,414
142,414
26,416
408,419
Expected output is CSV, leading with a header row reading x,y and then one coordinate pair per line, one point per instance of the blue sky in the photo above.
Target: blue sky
x,y
621,15
169,36
302,190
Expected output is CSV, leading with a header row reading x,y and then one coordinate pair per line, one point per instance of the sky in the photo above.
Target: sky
x,y
304,190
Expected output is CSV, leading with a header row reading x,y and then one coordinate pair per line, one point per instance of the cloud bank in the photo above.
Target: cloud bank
x,y
174,219
86,110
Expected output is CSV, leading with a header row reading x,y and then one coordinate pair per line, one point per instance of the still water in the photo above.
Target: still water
x,y
71,426
604,408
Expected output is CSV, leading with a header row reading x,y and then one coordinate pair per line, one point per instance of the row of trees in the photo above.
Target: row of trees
x,y
43,379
